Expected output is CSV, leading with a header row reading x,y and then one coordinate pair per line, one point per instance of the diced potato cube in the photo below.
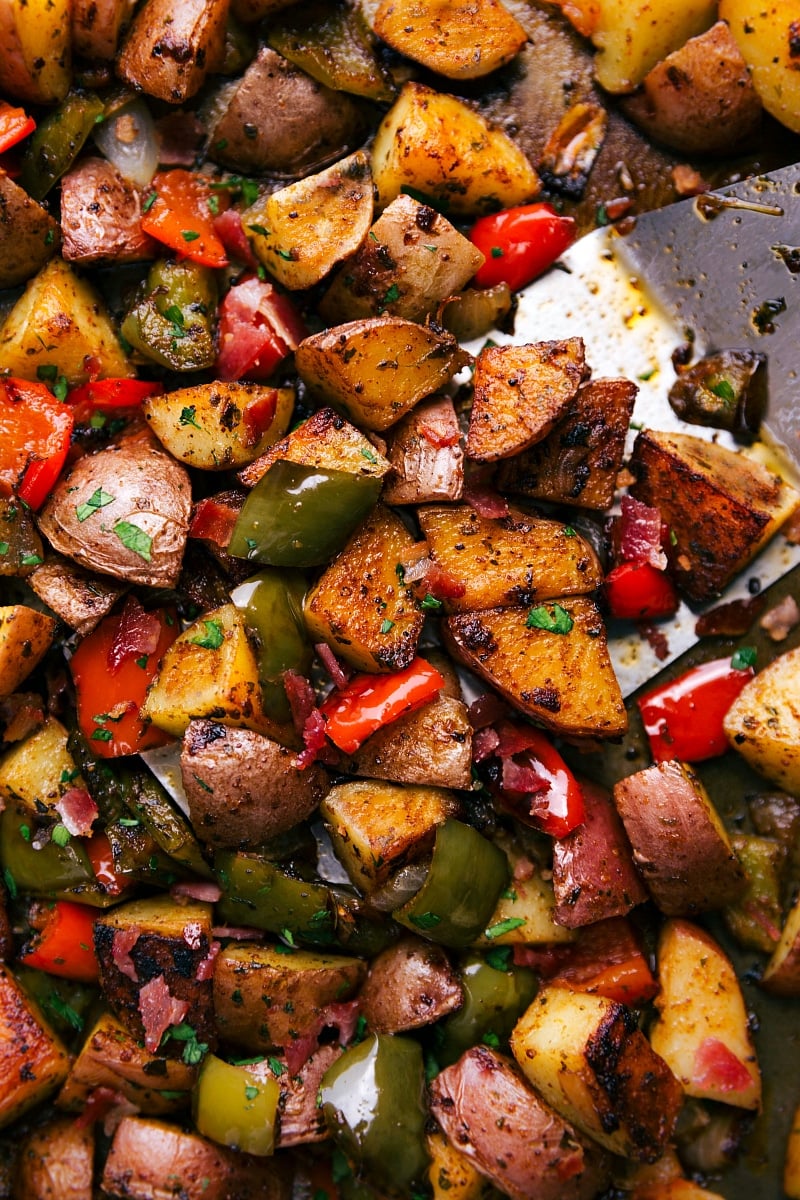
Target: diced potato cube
x,y
25,637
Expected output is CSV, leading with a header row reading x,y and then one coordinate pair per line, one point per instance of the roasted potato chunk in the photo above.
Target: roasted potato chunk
x,y
29,235
410,984
766,36
589,1060
551,662
325,440
36,771
378,368
426,456
25,637
374,624
520,393
33,1062
782,972
35,65
430,745
763,723
721,507
80,598
508,561
56,1162
169,51
101,215
460,41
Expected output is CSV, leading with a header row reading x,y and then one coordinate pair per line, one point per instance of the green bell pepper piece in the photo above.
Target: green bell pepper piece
x,y
66,1005
258,893
235,1107
750,918
494,998
272,603
61,871
20,545
373,1102
331,43
300,516
462,887
58,140
171,322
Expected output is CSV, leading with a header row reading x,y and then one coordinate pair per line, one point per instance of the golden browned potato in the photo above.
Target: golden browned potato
x,y
146,1152
325,440
767,37
170,49
412,260
301,232
452,1176
782,972
458,40
525,912
113,1057
56,1162
721,506
265,1000
25,637
378,368
507,561
579,461
410,984
436,144
101,214
242,788
430,745
220,426
550,661
701,98
531,1150
702,1029
763,723
60,321
37,771
588,1058
29,235
426,456
80,598
375,625
376,828
123,511
98,25
520,393
281,121
36,61
680,845
33,1062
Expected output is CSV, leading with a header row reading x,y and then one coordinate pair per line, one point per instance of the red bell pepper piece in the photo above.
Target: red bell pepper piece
x,y
607,960
683,718
64,942
35,431
520,243
179,217
100,855
640,592
15,124
112,669
109,394
536,784
258,327
369,702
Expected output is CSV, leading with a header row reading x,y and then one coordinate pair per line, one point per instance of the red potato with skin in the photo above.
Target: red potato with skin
x,y
409,985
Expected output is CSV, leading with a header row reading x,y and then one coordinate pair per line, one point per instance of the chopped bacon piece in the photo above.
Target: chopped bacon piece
x,y
484,744
308,721
439,426
656,639
716,1066
344,1016
78,811
159,1009
299,1051
442,585
193,934
520,777
205,969
729,620
514,739
301,696
484,499
238,933
779,622
137,633
213,521
230,231
196,889
338,671
121,946
640,533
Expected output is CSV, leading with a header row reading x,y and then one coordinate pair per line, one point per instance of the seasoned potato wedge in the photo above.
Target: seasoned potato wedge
x,y
242,788
763,723
451,1174
33,1062
430,745
35,65
410,984
702,1032
426,456
302,231
531,1151
56,1162
721,507
378,368
373,623
210,670
101,216
520,393
112,1057
460,41
376,828
220,426
782,972
60,321
525,913
436,144
579,461
123,511
265,1000
29,235
98,25
25,637
589,1060
36,772
411,261
170,50
80,598
767,37
508,561
564,680
680,845
700,98
325,440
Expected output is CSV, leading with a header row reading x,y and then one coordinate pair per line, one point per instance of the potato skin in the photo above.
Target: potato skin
x,y
241,786
101,215
150,492
431,745
29,235
171,48
56,1162
410,984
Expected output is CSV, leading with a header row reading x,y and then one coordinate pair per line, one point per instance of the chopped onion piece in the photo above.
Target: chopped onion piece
x,y
128,140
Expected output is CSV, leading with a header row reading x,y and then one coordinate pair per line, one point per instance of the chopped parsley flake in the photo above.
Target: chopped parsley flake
x,y
187,416
559,621
744,657
60,835
135,539
723,390
98,499
213,637
430,604
496,931
189,235
149,202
